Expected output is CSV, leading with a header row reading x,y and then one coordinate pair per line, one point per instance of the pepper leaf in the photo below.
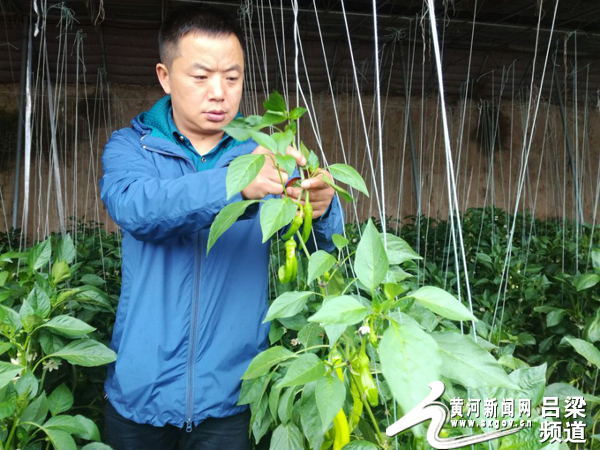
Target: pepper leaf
x,y
262,363
242,171
265,140
275,214
441,302
68,326
7,372
287,304
287,437
238,129
348,174
585,349
319,263
287,163
283,141
371,263
87,353
225,219
275,102
270,118
339,241
340,190
342,310
39,255
330,394
308,367
298,112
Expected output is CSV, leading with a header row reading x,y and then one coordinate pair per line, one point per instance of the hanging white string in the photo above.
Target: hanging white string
x,y
453,198
362,114
333,101
379,123
527,145
27,146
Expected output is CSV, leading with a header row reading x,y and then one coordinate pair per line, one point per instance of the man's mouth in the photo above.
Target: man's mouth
x,y
215,115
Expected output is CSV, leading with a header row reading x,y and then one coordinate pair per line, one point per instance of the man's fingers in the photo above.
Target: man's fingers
x,y
273,187
293,192
299,157
275,176
317,182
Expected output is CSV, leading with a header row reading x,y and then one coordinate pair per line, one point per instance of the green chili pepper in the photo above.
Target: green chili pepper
x,y
328,440
292,268
282,275
342,432
288,272
357,408
308,210
372,333
340,421
365,380
295,226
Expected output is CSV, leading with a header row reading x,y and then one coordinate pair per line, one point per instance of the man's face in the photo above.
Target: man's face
x,y
205,82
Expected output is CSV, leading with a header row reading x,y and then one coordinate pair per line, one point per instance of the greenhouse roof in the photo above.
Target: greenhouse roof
x,y
503,45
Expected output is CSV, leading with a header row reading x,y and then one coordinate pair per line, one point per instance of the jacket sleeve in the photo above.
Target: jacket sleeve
x,y
153,209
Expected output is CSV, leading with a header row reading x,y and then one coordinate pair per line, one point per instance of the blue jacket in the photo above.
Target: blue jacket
x,y
187,324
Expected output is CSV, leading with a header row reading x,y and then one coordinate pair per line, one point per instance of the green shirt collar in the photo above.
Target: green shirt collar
x,y
160,119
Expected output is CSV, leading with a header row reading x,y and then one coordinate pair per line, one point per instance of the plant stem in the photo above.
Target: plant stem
x,y
26,350
10,436
311,348
595,422
279,173
300,169
363,398
349,285
303,245
43,378
38,363
341,264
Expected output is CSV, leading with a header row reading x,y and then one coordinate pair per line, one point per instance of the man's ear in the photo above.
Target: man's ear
x,y
162,71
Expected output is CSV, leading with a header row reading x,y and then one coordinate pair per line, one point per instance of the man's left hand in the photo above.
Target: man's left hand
x,y
320,193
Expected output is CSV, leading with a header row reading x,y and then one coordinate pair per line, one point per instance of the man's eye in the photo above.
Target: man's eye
x,y
232,78
200,77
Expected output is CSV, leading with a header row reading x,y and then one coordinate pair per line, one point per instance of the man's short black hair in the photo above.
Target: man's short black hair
x,y
193,19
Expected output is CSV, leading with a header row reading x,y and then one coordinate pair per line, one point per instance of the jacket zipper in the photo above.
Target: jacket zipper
x,y
193,333
194,320
195,307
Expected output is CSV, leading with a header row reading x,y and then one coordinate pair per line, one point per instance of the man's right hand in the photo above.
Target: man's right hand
x,y
268,181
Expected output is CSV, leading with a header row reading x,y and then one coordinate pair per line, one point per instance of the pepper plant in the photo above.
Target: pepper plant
x,y
370,337
44,338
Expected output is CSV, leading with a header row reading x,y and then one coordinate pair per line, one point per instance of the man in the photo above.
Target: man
x,y
188,324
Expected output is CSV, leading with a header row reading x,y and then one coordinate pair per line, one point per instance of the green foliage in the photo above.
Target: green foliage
x,y
57,303
275,214
529,329
544,337
349,317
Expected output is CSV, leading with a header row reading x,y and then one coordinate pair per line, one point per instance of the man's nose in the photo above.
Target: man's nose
x,y
216,88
